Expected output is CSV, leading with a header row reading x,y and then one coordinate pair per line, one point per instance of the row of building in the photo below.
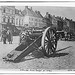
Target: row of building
x,y
9,16
12,17
61,23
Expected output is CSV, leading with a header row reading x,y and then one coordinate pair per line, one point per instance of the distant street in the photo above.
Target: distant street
x,y
64,59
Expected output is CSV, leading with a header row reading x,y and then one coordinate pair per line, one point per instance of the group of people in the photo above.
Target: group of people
x,y
6,35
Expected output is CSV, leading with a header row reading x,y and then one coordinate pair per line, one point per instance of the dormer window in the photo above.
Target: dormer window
x,y
3,19
8,20
4,10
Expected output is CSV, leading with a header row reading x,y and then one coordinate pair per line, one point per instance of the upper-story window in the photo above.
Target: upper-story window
x,y
29,18
17,21
32,19
31,23
10,11
26,24
12,20
3,19
8,20
39,20
22,21
35,24
4,10
35,19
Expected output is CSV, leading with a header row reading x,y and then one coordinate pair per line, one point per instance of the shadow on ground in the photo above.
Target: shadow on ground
x,y
39,54
63,49
33,55
59,54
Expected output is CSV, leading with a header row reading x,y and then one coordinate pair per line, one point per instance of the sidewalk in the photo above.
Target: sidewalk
x,y
6,48
15,40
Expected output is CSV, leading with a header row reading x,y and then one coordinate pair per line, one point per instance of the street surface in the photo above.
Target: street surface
x,y
64,59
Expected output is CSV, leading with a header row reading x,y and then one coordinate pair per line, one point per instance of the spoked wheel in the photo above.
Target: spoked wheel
x,y
49,42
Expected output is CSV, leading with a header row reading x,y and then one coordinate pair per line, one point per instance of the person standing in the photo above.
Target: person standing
x,y
4,35
9,36
66,37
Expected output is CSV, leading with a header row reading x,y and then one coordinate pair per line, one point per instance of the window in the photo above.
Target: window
x,y
4,10
35,19
32,19
35,24
12,21
22,22
8,20
17,21
39,20
13,12
7,10
10,11
3,19
26,24
29,18
31,23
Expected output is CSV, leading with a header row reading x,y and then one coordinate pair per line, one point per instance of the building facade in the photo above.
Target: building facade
x,y
48,19
32,19
54,21
0,19
70,24
7,15
18,18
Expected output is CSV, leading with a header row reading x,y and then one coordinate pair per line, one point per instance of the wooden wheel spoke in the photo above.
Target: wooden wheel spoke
x,y
46,44
46,41
48,51
53,41
53,46
49,41
48,36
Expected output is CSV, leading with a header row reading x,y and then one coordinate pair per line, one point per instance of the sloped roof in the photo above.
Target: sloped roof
x,y
18,12
67,19
30,12
38,14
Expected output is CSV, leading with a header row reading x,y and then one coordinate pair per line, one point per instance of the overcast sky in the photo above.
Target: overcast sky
x,y
68,12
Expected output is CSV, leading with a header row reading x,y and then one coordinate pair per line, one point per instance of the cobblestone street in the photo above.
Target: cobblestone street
x,y
64,58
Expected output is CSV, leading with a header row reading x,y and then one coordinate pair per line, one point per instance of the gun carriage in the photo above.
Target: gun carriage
x,y
37,39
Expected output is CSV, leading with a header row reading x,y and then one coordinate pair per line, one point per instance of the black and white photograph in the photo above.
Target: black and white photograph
x,y
37,37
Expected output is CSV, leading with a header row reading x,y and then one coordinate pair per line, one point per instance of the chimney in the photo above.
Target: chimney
x,y
19,11
38,12
71,19
31,8
26,6
47,13
54,16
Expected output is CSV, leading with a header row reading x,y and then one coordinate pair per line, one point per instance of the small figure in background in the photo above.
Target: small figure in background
x,y
22,35
4,35
9,36
66,37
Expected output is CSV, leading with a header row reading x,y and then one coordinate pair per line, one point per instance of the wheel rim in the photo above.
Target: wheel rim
x,y
49,41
